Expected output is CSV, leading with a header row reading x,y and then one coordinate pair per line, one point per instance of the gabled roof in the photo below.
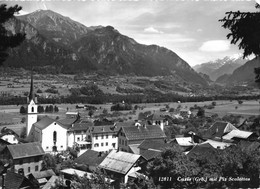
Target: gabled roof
x,y
104,129
25,150
120,162
67,121
150,154
134,148
46,121
16,181
143,132
201,149
218,129
217,144
155,116
237,134
153,144
90,157
81,126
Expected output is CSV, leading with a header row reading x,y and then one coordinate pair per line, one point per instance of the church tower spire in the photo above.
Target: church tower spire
x,y
31,95
31,108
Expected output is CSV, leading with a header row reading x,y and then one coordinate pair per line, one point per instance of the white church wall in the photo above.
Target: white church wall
x,y
48,137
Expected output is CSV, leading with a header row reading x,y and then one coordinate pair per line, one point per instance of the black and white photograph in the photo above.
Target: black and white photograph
x,y
129,94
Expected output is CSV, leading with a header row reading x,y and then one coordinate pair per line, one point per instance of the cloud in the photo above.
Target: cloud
x,y
152,30
215,46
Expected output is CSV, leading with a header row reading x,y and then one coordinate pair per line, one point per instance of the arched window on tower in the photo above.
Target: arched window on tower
x,y
54,137
32,109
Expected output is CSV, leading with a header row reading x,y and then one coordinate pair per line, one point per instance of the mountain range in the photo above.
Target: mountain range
x,y
219,67
56,42
243,74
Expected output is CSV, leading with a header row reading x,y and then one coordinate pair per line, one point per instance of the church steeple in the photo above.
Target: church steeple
x,y
31,95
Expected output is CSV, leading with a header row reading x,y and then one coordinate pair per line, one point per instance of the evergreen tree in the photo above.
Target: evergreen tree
x,y
22,110
245,30
7,40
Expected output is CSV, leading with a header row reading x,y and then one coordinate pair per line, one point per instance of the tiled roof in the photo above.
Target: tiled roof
x,y
153,144
201,149
67,121
25,150
218,129
16,181
150,154
104,129
155,116
143,132
90,157
237,134
44,122
80,126
120,162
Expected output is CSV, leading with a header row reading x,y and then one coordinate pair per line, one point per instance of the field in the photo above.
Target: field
x,y
10,116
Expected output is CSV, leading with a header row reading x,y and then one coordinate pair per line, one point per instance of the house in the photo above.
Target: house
x,y
9,135
205,149
185,142
25,158
79,135
158,145
136,134
50,133
104,138
238,135
185,113
91,159
120,164
157,119
11,180
42,177
221,144
218,130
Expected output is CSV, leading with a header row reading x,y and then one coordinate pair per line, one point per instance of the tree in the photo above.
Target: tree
x,y
245,30
49,162
22,110
7,40
201,112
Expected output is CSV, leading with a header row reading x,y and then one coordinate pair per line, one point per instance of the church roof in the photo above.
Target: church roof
x,y
46,121
25,150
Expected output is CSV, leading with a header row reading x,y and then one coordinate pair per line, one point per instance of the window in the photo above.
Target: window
x,y
102,136
102,144
78,139
20,161
32,109
61,146
54,137
106,136
14,139
106,143
114,145
113,136
119,141
125,142
96,137
47,147
36,168
29,169
96,145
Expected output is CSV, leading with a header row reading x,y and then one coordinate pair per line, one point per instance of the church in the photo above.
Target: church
x,y
52,134
58,135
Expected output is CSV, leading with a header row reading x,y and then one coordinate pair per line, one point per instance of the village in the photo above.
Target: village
x,y
56,151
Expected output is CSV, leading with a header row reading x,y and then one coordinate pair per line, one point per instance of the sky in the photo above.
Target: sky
x,y
190,28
